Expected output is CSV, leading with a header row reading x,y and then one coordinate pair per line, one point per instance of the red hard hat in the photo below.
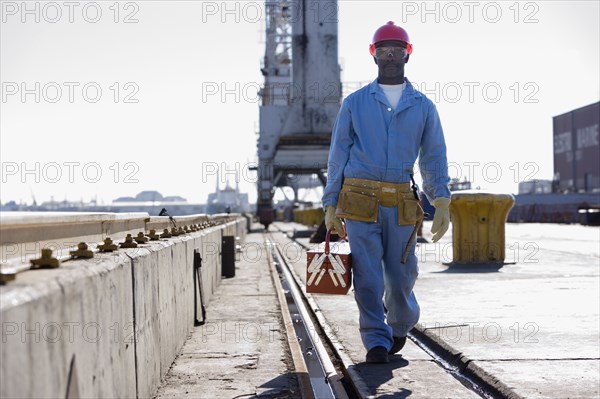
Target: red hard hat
x,y
390,31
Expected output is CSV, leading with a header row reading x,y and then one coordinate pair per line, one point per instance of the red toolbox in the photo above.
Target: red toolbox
x,y
329,268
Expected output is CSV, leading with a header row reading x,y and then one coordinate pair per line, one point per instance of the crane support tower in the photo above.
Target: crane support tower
x,y
300,98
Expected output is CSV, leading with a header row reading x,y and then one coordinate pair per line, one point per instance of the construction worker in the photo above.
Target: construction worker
x,y
379,132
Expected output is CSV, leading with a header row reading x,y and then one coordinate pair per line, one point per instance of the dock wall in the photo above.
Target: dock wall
x,y
109,326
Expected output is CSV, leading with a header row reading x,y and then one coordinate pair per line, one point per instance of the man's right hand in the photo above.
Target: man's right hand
x,y
334,223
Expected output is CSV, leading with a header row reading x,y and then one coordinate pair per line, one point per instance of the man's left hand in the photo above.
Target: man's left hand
x,y
441,219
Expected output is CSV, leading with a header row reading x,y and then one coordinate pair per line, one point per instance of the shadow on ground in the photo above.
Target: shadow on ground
x,y
473,268
284,386
376,375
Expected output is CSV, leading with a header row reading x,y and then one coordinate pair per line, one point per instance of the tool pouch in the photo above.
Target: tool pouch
x,y
357,203
409,209
410,213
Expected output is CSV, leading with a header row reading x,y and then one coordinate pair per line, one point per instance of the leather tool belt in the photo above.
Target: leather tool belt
x,y
359,200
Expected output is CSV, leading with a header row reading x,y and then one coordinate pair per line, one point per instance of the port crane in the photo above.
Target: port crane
x,y
300,97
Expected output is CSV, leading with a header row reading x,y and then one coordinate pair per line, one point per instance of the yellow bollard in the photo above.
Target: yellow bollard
x,y
316,217
309,217
478,221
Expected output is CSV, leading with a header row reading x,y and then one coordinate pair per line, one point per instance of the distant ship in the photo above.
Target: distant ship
x,y
227,200
459,185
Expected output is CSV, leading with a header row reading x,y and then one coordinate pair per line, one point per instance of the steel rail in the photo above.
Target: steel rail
x,y
324,376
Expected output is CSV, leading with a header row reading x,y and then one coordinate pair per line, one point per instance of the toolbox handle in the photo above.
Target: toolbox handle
x,y
327,238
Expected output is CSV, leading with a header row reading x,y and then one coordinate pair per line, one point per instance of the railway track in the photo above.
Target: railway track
x,y
324,368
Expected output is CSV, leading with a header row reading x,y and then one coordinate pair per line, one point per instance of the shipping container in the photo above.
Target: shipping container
x,y
577,149
535,186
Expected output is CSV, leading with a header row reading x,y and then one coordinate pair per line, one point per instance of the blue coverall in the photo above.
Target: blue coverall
x,y
373,141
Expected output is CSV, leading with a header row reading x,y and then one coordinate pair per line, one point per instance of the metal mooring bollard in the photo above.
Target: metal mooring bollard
x,y
141,238
46,260
153,236
108,246
82,251
129,243
478,227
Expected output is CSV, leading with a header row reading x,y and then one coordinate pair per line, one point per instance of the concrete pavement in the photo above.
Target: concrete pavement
x,y
242,351
534,324
529,329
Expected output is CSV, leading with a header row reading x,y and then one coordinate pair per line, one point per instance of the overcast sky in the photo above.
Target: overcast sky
x,y
153,95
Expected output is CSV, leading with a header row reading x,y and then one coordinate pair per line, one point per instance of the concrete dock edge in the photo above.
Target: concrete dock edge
x,y
109,326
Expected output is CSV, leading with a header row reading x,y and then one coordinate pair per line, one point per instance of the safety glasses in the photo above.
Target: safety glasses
x,y
396,52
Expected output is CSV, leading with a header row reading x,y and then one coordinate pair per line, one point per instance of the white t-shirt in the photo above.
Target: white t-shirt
x,y
393,93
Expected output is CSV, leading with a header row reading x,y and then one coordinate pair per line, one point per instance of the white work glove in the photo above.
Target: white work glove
x,y
334,223
441,219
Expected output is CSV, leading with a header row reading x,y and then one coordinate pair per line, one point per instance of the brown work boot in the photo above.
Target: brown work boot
x,y
399,343
377,354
